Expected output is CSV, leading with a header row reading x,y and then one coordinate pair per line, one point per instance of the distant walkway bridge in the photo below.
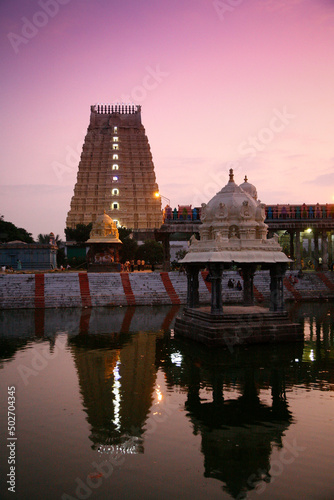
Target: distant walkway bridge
x,y
314,223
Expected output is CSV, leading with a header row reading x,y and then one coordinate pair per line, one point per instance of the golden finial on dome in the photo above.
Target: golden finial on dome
x,y
231,175
246,178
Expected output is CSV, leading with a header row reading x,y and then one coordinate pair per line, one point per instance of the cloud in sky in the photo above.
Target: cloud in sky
x,y
282,5
322,180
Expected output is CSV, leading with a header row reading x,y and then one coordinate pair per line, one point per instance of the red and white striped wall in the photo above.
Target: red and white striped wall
x,y
68,289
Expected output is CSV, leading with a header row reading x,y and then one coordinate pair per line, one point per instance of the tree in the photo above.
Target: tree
x,y
151,252
128,249
124,232
61,257
180,254
9,232
45,238
80,234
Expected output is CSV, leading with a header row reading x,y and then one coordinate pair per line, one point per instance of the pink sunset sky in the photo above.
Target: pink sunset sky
x,y
241,83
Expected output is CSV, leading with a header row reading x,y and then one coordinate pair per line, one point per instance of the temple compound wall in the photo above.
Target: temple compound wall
x,y
116,171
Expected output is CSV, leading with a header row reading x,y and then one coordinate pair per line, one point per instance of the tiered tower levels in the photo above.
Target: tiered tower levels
x,y
116,171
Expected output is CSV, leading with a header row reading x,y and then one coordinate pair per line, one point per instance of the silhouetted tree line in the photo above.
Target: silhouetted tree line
x,y
9,232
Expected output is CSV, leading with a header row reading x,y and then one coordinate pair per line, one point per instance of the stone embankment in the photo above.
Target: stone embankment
x,y
70,289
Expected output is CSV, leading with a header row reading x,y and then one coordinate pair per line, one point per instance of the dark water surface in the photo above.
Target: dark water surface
x,y
109,405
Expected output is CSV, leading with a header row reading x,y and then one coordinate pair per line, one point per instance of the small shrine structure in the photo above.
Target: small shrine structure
x,y
104,245
233,233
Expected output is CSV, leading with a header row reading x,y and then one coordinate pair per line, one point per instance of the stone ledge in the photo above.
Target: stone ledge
x,y
239,325
63,289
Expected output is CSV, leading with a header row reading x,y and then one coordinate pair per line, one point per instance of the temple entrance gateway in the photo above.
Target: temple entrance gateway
x,y
233,233
116,171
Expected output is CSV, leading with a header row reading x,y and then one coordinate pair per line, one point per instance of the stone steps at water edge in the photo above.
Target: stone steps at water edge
x,y
107,289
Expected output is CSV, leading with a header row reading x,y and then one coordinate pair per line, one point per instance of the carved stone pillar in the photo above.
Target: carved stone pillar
x,y
309,247
192,286
324,248
248,277
166,249
330,250
298,253
216,271
316,248
292,249
277,272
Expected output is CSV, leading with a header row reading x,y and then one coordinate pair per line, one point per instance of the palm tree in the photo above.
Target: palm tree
x,y
45,238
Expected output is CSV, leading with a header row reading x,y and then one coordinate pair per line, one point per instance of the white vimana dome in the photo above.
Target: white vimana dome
x,y
233,213
233,235
249,188
104,230
233,229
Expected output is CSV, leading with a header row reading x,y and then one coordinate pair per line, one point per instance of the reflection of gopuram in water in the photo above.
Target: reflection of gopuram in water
x,y
245,413
238,430
116,382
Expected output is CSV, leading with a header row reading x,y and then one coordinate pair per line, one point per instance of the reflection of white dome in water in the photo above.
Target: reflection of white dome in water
x,y
233,229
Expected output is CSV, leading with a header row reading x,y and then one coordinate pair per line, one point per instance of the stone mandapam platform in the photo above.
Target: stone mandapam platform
x,y
238,325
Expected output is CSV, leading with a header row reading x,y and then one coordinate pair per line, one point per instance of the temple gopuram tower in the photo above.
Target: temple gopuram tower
x,y
116,171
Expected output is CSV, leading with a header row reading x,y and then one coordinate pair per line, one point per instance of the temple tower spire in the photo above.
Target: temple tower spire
x,y
116,171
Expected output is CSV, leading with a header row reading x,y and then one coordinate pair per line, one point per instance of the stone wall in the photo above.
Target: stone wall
x,y
69,289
